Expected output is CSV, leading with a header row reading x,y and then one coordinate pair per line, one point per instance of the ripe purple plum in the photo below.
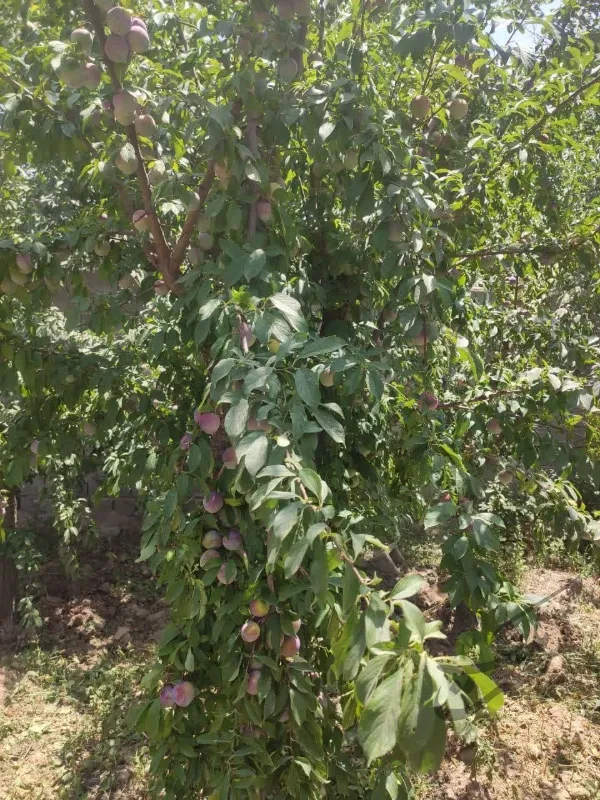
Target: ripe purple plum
x,y
119,21
233,540
24,264
92,75
209,423
161,288
420,106
139,23
458,108
229,458
494,427
183,693
222,575
145,126
167,696
83,39
428,401
259,608
141,220
264,211
208,556
185,441
247,337
34,446
213,502
290,647
138,39
252,683
250,631
116,48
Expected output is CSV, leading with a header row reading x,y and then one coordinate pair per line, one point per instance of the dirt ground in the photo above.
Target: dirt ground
x,y
64,695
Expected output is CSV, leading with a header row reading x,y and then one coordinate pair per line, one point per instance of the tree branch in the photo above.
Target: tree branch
x,y
162,248
516,250
178,252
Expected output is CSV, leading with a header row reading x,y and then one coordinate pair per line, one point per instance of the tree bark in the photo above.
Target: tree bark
x,y
8,571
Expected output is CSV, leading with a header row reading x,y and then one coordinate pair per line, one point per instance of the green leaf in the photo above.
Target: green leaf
x,y
413,619
255,262
491,694
295,556
170,503
285,520
408,586
328,344
330,425
307,386
379,720
291,310
325,131
319,572
255,456
236,418
369,677
439,514
314,484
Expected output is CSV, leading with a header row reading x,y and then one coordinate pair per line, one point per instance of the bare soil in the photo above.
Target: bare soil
x,y
64,694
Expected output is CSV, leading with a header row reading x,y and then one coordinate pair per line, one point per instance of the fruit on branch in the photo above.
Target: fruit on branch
x,y
287,69
222,575
72,75
222,174
250,631
428,401
285,9
102,248
264,211
395,232
389,314
96,117
141,220
128,281
285,715
543,138
89,429
138,39
126,159
209,556
185,441
462,61
290,646
209,423
233,540
420,106
494,427
213,502
24,263
205,241
138,22
119,20
17,277
252,682
157,173
183,693
83,39
229,458
161,288
506,477
8,287
458,108
167,696
34,446
351,160
274,345
247,337
259,608
326,377
145,126
204,223
92,75
116,48
296,625
212,540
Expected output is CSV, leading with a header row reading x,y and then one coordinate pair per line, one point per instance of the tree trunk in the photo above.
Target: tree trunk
x,y
8,570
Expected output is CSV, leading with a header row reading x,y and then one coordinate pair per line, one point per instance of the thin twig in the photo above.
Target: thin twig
x,y
191,221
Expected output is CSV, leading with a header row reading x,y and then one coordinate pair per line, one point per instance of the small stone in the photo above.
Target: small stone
x,y
122,634
76,621
466,755
104,587
534,751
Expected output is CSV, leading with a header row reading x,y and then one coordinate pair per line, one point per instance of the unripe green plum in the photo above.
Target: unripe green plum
x,y
212,540
250,631
157,173
326,377
420,107
102,248
141,220
506,477
205,241
288,69
116,48
204,223
259,608
274,345
125,105
118,20
83,39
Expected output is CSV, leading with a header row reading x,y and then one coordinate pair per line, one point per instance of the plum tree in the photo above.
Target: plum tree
x,y
321,247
